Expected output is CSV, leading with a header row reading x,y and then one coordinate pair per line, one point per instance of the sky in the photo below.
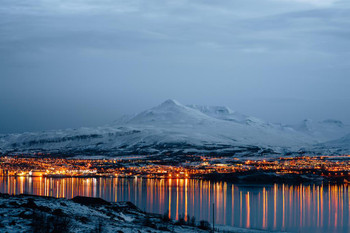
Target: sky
x,y
74,63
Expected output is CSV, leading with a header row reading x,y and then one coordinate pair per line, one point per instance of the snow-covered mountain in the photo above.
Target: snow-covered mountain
x,y
175,128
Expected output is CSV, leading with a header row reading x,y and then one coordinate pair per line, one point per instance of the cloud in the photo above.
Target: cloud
x,y
322,3
83,54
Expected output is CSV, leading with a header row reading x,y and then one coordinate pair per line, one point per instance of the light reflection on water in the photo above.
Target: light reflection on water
x,y
301,208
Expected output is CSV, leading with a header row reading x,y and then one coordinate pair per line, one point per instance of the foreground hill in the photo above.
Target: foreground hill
x,y
175,128
27,213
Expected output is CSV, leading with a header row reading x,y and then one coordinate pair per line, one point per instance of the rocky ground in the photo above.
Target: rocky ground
x,y
28,213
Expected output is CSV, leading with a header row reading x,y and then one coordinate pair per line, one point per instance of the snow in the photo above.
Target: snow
x,y
190,129
16,215
169,112
326,130
127,218
338,146
220,112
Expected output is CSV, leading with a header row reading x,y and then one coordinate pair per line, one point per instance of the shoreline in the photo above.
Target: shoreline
x,y
231,178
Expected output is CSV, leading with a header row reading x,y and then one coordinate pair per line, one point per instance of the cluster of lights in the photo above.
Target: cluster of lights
x,y
21,166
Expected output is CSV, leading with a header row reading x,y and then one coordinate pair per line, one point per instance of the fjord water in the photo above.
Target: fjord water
x,y
279,207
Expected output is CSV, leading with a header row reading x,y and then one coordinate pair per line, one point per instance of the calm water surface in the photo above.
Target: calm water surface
x,y
296,208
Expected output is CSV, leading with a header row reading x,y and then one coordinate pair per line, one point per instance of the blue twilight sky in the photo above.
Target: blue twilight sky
x,y
72,63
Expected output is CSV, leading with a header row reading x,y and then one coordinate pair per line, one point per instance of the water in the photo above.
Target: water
x,y
296,208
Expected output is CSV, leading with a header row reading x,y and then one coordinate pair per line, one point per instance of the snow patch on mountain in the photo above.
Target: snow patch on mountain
x,y
221,112
326,130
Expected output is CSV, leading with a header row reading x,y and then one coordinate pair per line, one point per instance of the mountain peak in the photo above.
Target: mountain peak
x,y
169,112
307,124
170,102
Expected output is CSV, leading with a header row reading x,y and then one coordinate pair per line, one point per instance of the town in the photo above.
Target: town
x,y
189,166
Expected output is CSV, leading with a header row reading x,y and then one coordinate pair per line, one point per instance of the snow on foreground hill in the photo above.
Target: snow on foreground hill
x,y
25,213
175,128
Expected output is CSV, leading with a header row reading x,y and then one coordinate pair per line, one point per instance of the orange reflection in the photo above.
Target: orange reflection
x,y
264,208
301,205
169,209
177,200
283,207
240,209
248,210
321,203
232,205
275,206
291,207
186,211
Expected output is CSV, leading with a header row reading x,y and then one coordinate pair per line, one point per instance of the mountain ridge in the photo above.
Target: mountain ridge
x,y
172,127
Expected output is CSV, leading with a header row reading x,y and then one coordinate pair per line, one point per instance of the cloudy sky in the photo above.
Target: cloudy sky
x,y
72,63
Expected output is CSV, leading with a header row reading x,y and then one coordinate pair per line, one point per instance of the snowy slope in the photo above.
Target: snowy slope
x,y
175,128
226,114
27,213
343,142
326,130
338,146
220,112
